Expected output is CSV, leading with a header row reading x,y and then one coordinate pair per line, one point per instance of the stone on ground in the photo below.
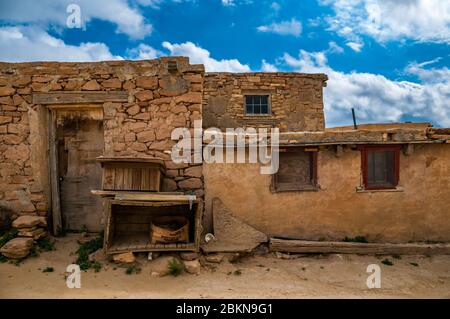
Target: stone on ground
x,y
124,258
214,258
192,266
160,267
98,256
188,256
17,247
26,221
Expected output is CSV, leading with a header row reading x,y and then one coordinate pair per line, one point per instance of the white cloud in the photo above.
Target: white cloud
x,y
333,47
375,98
33,44
292,27
228,2
355,46
433,75
386,20
200,55
128,18
143,52
267,67
275,6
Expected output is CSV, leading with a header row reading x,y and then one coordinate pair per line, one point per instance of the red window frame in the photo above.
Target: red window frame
x,y
365,169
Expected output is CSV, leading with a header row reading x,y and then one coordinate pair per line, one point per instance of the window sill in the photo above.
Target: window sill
x,y
397,189
305,188
257,116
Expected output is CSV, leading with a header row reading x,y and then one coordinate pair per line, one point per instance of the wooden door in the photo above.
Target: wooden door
x,y
80,141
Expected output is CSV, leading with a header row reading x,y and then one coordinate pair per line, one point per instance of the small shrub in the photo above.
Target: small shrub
x,y
46,244
33,252
3,259
395,256
414,264
387,262
48,269
96,266
356,239
61,232
237,272
175,267
86,249
132,269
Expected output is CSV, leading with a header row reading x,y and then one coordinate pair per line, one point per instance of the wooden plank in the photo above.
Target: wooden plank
x,y
108,178
303,246
54,176
79,97
154,197
101,192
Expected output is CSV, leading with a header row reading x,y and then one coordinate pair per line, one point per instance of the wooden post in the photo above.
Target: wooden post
x,y
54,178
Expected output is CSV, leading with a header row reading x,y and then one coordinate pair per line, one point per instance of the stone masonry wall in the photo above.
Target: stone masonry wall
x,y
296,100
158,101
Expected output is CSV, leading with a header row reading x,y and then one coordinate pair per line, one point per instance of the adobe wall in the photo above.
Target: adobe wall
x,y
418,213
296,100
158,101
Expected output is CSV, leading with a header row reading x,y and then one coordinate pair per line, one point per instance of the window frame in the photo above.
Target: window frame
x,y
312,169
269,105
365,149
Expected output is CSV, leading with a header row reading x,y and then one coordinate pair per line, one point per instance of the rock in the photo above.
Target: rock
x,y
215,258
5,119
190,183
144,95
5,91
195,171
27,221
91,85
133,110
147,82
112,84
145,136
35,233
192,266
99,256
188,256
17,248
159,267
124,258
191,97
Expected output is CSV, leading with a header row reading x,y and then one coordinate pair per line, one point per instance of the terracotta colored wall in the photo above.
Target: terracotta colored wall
x,y
158,101
296,100
421,212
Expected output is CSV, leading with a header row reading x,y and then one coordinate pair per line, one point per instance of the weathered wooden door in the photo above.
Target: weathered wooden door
x,y
79,141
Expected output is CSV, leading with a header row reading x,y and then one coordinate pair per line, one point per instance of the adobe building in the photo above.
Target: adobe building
x,y
68,129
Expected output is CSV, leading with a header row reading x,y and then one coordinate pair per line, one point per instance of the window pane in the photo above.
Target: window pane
x,y
257,108
264,109
381,168
257,104
249,109
294,172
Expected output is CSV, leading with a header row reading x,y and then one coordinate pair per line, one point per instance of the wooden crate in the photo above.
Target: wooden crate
x,y
128,222
132,174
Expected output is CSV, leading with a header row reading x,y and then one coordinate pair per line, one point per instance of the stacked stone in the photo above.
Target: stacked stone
x,y
29,229
159,100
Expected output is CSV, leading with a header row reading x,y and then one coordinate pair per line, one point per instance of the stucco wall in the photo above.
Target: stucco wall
x,y
420,212
296,100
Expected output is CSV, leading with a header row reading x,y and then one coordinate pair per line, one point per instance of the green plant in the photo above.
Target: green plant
x,y
33,252
86,249
61,232
96,266
8,236
46,244
48,269
3,259
132,269
387,262
414,264
356,239
237,272
175,267
396,256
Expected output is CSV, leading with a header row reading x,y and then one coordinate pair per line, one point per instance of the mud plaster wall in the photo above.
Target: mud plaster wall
x,y
420,212
296,100
158,101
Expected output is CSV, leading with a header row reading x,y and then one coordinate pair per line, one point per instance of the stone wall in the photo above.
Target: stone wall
x,y
296,100
158,101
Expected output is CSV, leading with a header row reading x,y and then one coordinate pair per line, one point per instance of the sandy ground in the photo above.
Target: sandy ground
x,y
331,276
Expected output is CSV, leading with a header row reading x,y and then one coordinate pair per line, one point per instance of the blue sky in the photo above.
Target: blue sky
x,y
387,59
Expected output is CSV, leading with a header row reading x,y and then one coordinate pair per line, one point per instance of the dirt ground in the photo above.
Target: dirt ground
x,y
331,276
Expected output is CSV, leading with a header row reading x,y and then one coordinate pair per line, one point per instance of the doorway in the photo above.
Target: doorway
x,y
79,140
